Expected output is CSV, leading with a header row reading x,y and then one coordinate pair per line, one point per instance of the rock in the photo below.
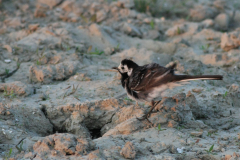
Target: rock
x,y
142,56
176,30
173,149
199,13
95,155
127,127
50,58
101,15
9,49
50,3
228,157
172,124
204,134
222,22
128,151
234,88
41,10
125,3
47,74
230,41
33,27
162,156
42,36
67,5
219,4
196,134
3,30
18,35
80,118
131,29
17,88
207,23
236,18
152,34
64,144
172,110
13,22
197,90
196,124
180,110
187,28
226,113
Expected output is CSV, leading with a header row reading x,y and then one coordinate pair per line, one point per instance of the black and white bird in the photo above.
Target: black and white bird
x,y
147,82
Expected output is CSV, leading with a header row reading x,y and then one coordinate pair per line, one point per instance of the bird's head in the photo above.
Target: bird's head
x,y
127,66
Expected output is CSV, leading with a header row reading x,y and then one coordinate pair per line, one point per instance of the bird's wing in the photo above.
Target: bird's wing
x,y
148,75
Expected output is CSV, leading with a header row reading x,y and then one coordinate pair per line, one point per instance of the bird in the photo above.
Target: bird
x,y
146,83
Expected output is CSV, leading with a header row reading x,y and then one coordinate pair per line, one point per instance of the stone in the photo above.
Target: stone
x,y
13,22
42,36
125,3
33,27
199,13
41,10
64,143
189,28
220,4
228,157
173,149
176,30
131,29
50,3
67,5
143,56
207,23
230,41
196,134
128,151
152,34
172,124
222,22
47,74
101,15
17,88
234,88
8,48
18,35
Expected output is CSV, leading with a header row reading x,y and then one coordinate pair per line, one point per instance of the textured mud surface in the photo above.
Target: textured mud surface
x,y
59,98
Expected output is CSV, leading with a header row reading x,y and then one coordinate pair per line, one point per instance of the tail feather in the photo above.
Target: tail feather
x,y
189,77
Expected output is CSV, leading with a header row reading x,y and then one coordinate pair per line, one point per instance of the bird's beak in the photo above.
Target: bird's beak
x,y
117,69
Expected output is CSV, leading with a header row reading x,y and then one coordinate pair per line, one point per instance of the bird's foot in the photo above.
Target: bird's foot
x,y
144,117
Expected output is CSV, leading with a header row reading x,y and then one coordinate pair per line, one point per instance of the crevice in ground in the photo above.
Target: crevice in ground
x,y
55,129
95,133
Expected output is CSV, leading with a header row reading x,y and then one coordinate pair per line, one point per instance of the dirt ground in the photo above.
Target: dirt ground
x,y
60,99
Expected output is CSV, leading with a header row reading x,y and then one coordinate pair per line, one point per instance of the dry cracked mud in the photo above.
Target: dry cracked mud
x,y
59,98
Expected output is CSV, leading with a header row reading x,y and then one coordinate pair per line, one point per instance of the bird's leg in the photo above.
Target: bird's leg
x,y
137,104
149,112
155,104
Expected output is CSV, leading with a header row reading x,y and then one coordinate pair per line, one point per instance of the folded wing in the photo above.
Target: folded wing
x,y
149,76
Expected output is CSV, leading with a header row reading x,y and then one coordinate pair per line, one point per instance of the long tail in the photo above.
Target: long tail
x,y
189,77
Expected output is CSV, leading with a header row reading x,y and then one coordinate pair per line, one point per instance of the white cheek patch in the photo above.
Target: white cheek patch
x,y
120,68
129,72
125,68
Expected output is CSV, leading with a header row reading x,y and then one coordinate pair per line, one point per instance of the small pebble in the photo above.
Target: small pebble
x,y
7,60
